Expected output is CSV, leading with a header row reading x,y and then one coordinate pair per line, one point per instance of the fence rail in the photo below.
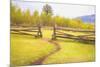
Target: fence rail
x,y
59,32
73,29
34,30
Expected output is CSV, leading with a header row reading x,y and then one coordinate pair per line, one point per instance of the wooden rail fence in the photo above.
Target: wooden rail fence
x,y
26,30
58,33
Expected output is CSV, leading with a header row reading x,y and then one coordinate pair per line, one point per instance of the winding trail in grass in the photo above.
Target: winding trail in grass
x,y
40,60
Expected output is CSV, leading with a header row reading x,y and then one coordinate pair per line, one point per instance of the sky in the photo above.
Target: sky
x,y
64,10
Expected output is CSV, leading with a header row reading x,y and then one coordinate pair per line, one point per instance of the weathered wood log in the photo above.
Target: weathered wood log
x,y
73,29
24,33
23,29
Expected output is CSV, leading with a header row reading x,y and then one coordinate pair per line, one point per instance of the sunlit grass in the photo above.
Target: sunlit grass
x,y
72,51
25,49
47,33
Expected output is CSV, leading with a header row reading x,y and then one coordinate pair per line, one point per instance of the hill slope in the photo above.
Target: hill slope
x,y
88,18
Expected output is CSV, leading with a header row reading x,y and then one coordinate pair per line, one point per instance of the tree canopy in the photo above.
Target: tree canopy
x,y
47,9
45,18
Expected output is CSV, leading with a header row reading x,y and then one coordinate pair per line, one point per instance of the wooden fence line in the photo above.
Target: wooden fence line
x,y
23,30
58,33
73,29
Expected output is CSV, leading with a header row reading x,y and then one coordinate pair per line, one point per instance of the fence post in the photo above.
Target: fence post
x,y
40,32
54,32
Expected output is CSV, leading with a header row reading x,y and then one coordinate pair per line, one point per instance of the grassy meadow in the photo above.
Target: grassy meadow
x,y
26,49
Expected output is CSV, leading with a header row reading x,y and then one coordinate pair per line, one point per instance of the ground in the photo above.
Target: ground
x,y
27,50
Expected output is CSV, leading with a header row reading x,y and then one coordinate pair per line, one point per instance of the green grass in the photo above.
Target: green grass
x,y
72,51
26,49
47,34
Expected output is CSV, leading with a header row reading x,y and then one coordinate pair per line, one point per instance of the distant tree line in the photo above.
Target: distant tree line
x,y
46,18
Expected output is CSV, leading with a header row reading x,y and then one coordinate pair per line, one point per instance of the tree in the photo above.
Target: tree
x,y
58,20
43,18
47,8
46,15
19,17
27,17
13,14
35,18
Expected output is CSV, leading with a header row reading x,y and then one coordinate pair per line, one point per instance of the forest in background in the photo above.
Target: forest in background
x,y
45,18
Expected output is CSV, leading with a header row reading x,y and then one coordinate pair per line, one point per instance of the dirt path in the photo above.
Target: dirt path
x,y
39,61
